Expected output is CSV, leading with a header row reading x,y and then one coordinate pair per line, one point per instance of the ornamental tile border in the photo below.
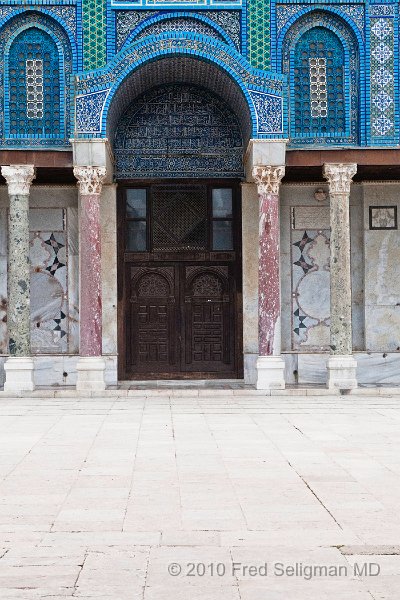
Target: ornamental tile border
x,y
382,96
133,25
286,12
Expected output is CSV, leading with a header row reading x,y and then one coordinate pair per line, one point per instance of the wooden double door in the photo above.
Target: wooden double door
x,y
180,313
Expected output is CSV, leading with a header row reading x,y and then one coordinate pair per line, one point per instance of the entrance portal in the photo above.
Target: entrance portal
x,y
181,279
179,158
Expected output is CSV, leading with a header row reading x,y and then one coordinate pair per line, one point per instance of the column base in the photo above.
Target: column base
x,y
91,374
19,372
342,372
270,373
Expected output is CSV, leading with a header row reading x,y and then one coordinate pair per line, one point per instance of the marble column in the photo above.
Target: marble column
x,y
91,365
19,366
341,364
270,365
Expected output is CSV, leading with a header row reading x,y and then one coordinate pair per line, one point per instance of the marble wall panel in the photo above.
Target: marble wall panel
x,y
378,369
304,279
3,231
3,281
73,279
250,270
3,305
357,267
109,267
53,327
312,368
291,368
46,219
382,281
310,289
56,196
58,371
49,292
249,367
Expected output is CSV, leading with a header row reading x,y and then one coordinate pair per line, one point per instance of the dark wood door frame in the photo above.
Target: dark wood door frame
x,y
183,258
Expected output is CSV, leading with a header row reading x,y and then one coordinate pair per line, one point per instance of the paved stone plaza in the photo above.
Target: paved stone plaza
x,y
100,495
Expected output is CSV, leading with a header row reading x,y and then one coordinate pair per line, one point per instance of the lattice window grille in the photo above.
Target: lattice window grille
x,y
318,92
34,89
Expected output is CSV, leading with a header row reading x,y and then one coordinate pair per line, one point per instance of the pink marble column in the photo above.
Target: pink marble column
x,y
268,179
90,180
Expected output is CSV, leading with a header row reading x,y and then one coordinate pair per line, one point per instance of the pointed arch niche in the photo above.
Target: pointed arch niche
x,y
320,55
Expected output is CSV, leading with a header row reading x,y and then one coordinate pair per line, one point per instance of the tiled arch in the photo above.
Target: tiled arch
x,y
189,70
256,96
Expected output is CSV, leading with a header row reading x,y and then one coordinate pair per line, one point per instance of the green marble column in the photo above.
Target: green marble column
x,y
341,364
19,179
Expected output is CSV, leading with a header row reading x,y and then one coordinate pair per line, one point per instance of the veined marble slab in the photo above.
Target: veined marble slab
x,y
378,368
312,368
49,370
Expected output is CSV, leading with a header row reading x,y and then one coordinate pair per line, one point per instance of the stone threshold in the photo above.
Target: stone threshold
x,y
207,389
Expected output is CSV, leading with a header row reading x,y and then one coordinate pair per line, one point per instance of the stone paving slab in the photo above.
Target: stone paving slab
x,y
231,497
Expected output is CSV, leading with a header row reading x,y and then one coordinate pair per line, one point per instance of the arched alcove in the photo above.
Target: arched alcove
x,y
178,130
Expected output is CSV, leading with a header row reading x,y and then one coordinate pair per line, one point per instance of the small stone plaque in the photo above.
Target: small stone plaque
x,y
383,217
310,217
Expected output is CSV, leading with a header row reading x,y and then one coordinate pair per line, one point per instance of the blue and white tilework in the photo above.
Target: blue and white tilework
x,y
382,79
89,110
269,111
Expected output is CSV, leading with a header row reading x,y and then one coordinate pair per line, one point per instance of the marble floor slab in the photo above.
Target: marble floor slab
x,y
189,497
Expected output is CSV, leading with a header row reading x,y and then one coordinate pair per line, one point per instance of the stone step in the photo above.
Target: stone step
x,y
196,391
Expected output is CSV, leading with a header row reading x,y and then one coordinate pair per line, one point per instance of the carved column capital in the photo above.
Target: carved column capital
x,y
339,176
90,179
268,178
19,178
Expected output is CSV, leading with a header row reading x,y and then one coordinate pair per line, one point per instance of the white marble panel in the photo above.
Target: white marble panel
x,y
72,227
2,372
3,231
3,305
73,304
250,267
73,279
60,370
312,368
382,283
49,370
46,219
109,267
378,368
291,368
382,328
382,259
249,368
357,274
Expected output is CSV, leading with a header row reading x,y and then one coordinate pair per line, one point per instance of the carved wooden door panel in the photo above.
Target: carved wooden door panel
x,y
152,331
209,320
179,313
